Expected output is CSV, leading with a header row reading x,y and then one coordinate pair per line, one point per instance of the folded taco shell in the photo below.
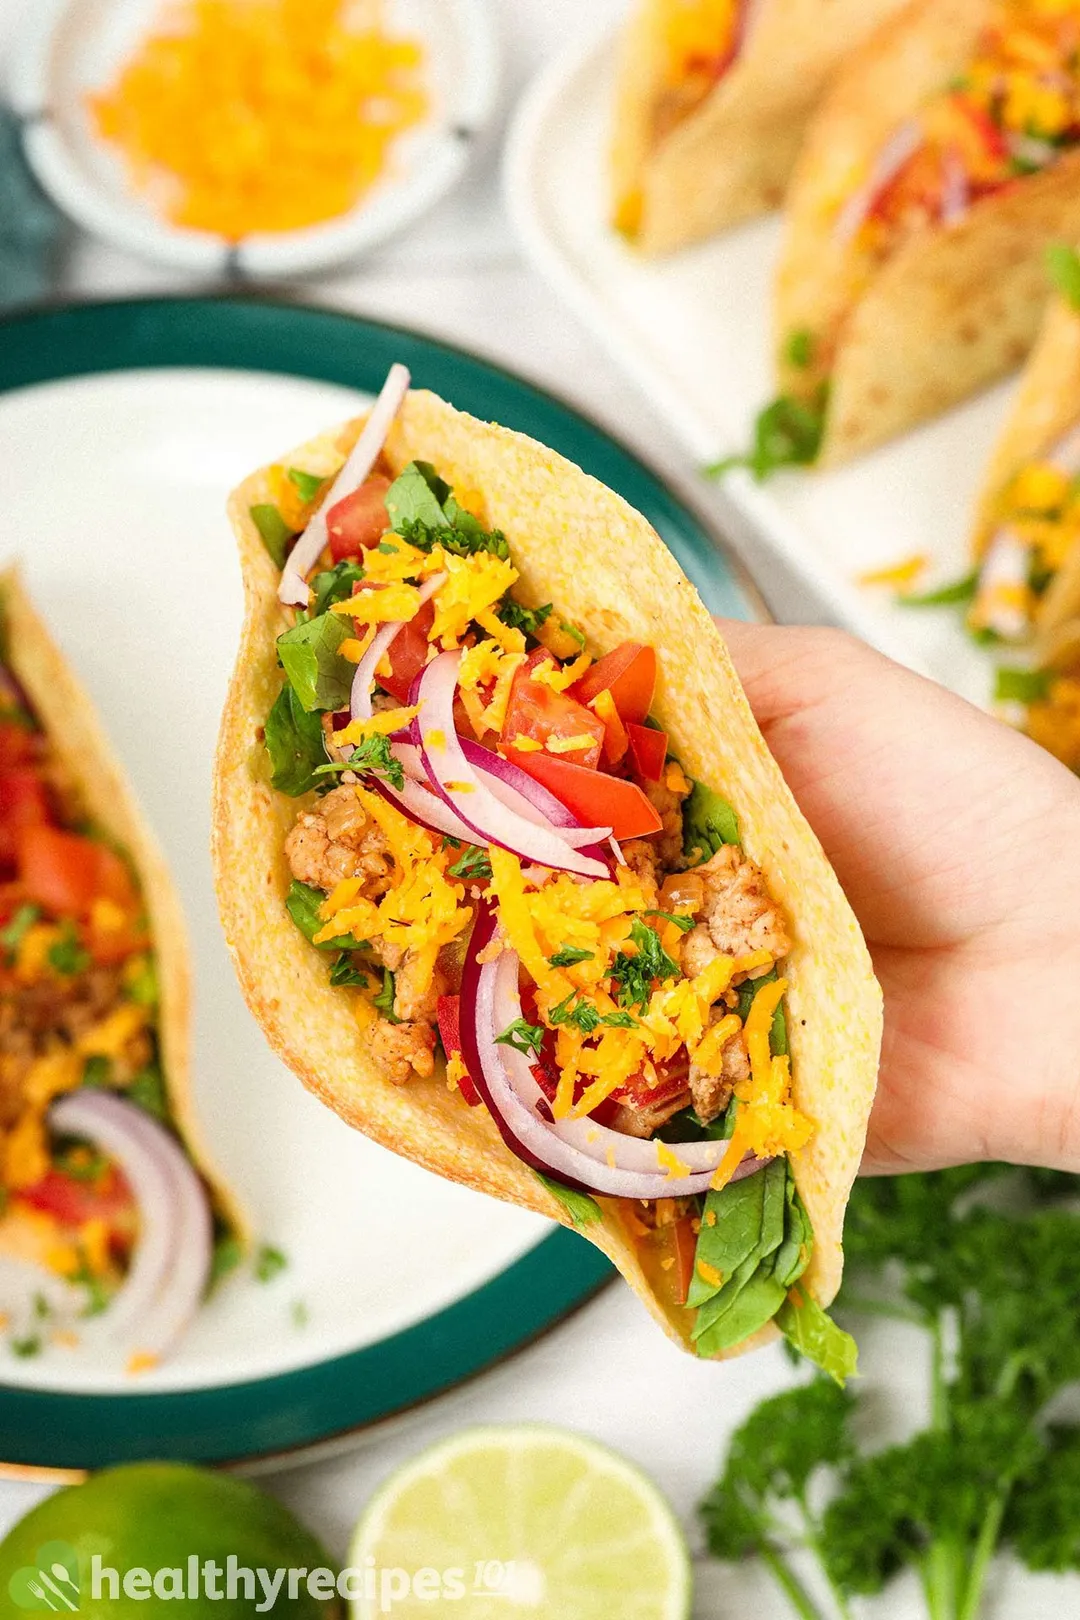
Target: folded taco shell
x,y
580,545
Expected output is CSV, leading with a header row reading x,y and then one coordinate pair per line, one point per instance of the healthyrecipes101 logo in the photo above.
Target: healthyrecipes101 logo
x,y
54,1582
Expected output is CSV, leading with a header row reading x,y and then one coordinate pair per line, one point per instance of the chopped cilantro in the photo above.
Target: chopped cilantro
x,y
682,922
523,1037
269,1262
384,1001
147,1089
307,484
527,620
302,903
948,595
97,1070
29,1345
787,433
371,757
1022,685
98,1297
142,983
17,929
584,1016
799,348
344,974
67,956
273,530
635,974
472,865
227,1254
424,511
310,655
1063,267
568,955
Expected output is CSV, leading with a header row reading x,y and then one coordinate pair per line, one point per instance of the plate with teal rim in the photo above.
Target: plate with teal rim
x,y
123,427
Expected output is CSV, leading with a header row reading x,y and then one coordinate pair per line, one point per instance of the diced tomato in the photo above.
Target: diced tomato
x,y
684,1245
671,1081
358,521
66,873
18,745
448,1014
408,653
648,751
629,674
72,1201
598,800
540,713
24,802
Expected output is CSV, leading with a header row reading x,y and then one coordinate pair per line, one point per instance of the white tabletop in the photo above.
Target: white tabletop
x,y
608,1371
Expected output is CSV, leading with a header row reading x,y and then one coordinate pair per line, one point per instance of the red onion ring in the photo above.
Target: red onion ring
x,y
467,791
523,794
171,1264
293,589
898,149
360,696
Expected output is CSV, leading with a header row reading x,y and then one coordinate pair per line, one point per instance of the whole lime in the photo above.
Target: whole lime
x,y
109,1548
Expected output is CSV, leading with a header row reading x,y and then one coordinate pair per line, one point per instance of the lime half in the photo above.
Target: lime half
x,y
523,1520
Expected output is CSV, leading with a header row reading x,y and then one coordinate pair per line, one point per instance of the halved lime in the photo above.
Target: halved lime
x,y
522,1520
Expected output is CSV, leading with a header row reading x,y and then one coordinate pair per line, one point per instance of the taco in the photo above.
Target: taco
x,y
496,669
105,1184
943,162
711,103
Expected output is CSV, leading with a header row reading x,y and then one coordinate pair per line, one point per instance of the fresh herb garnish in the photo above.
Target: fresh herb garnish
x,y
384,1001
303,904
29,1345
787,433
228,1251
373,756
67,956
799,348
472,865
311,657
682,922
569,955
344,974
98,1297
527,620
97,1070
956,591
269,1263
12,936
1022,685
424,512
148,1090
273,530
581,1208
523,1037
335,584
575,1010
307,484
141,983
1063,268
709,823
635,974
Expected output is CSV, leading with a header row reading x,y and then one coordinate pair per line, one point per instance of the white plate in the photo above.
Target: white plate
x,y
694,331
72,47
113,492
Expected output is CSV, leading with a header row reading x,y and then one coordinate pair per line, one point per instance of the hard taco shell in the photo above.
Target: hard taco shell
x,y
578,544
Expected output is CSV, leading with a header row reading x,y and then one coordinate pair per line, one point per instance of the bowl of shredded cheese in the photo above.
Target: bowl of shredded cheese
x,y
254,138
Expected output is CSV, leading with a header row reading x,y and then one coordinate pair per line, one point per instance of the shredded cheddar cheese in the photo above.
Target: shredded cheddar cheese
x,y
381,605
383,724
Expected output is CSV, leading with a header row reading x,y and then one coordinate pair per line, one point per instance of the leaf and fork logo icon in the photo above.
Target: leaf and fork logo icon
x,y
51,1582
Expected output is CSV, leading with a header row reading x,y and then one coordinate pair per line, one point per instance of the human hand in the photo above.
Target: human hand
x,y
957,841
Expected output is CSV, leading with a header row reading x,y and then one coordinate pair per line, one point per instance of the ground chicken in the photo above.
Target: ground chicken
x,y
335,840
645,1122
712,1093
402,1050
668,842
34,1018
416,988
641,857
739,913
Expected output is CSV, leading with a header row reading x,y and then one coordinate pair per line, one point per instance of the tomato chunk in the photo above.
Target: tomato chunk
x,y
648,751
66,873
598,800
408,653
629,674
358,521
18,745
24,802
73,1202
448,1016
541,714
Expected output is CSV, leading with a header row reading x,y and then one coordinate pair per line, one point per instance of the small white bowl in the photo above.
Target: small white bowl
x,y
71,47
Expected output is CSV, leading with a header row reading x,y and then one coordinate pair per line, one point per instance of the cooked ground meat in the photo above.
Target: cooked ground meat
x,y
335,840
645,1122
416,990
642,858
668,842
34,1018
712,1093
402,1050
738,912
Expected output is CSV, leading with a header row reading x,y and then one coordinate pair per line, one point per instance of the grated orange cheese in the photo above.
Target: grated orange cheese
x,y
383,724
473,584
381,605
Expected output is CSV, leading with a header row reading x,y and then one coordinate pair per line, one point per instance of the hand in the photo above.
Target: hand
x,y
957,841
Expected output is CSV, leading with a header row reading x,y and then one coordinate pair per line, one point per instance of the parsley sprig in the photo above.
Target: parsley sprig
x,y
635,973
373,756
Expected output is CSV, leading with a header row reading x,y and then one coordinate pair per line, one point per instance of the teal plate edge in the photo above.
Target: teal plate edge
x,y
45,1432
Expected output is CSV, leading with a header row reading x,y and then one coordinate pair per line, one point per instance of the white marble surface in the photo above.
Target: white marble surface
x,y
608,1371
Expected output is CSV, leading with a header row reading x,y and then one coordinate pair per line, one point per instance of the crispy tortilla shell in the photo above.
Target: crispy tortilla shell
x,y
581,546
88,760
956,306
730,157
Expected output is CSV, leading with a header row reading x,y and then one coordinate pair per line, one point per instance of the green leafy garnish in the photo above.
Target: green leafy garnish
x,y
373,756
709,822
573,632
473,865
312,661
956,591
12,936
227,1254
294,741
269,1263
148,1090
799,348
307,484
67,956
1022,685
682,922
302,903
527,620
97,1070
424,511
335,584
384,1001
582,1209
814,1334
568,955
344,974
29,1344
1063,267
142,984
523,1037
636,974
787,433
273,530
584,1016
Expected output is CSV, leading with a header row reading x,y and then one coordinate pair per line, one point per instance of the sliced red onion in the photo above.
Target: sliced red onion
x,y
898,150
522,793
171,1262
955,190
293,590
580,1152
468,792
364,679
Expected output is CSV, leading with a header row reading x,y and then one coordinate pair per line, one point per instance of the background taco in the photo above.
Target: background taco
x,y
938,169
106,1180
711,103
578,545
